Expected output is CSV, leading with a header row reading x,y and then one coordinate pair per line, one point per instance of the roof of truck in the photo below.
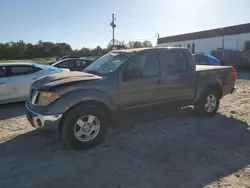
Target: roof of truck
x,y
150,48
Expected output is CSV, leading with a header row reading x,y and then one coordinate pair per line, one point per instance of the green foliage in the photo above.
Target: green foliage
x,y
21,50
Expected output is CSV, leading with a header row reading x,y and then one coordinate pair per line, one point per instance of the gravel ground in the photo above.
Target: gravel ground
x,y
167,149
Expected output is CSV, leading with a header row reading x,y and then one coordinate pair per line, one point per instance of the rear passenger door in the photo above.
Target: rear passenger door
x,y
20,78
180,75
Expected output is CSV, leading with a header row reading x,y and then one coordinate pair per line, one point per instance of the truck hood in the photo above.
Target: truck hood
x,y
58,79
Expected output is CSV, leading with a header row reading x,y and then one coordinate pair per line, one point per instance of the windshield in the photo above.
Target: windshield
x,y
108,63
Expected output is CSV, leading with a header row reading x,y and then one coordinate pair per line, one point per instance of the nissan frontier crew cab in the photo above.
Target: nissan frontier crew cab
x,y
82,105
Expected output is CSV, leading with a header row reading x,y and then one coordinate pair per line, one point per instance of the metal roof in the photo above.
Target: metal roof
x,y
231,30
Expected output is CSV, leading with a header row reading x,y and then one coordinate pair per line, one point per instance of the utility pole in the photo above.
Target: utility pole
x,y
157,35
113,25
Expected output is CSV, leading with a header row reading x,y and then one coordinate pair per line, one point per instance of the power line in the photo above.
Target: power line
x,y
144,39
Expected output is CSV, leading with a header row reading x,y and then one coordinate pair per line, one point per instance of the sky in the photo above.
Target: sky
x,y
86,23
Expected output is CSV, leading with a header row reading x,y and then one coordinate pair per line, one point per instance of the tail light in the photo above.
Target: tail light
x,y
234,75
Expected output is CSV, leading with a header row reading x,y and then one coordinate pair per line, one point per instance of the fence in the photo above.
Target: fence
x,y
230,57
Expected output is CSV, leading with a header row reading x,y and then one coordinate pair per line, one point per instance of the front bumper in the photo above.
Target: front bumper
x,y
43,121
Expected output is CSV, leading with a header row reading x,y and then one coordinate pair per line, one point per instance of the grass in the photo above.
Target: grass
x,y
41,61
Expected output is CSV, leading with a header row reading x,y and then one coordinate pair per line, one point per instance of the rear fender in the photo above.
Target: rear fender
x,y
203,84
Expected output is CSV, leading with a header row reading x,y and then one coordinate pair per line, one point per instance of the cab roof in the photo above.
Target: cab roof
x,y
148,49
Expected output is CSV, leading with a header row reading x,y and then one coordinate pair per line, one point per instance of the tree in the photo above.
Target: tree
x,y
147,43
117,42
138,44
22,50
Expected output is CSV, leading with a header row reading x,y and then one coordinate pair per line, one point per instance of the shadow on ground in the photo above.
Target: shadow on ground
x,y
12,110
179,150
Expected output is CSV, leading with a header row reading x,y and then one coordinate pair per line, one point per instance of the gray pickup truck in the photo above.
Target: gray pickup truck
x,y
82,105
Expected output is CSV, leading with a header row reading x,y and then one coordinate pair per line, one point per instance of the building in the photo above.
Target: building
x,y
233,38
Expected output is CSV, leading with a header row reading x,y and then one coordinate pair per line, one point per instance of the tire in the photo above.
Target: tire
x,y
84,126
210,98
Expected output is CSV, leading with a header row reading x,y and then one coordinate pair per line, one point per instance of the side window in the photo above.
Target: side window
x,y
35,69
20,70
81,63
2,72
144,65
67,64
176,61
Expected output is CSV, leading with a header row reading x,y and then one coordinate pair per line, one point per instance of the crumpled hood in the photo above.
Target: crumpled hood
x,y
57,79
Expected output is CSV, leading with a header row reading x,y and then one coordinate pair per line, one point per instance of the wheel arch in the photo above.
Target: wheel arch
x,y
215,86
212,85
89,102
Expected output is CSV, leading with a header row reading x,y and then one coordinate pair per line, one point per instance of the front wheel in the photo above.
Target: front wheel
x,y
208,103
84,126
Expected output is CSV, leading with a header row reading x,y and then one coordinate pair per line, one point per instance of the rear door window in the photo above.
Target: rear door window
x,y
67,64
81,63
18,70
176,62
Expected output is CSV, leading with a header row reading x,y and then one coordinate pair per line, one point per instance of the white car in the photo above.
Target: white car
x,y
16,79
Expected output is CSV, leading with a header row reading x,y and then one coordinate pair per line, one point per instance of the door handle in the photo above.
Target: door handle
x,y
1,83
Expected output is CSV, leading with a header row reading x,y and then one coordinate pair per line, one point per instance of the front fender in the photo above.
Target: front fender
x,y
66,101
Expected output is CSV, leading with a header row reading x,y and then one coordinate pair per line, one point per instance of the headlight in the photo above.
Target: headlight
x,y
46,98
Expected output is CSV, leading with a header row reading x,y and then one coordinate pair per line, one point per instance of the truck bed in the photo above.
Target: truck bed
x,y
223,74
200,68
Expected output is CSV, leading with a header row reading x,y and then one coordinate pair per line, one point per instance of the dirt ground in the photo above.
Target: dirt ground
x,y
167,149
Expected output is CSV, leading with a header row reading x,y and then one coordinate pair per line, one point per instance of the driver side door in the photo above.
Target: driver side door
x,y
144,84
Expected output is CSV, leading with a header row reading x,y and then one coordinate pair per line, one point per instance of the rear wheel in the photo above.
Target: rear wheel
x,y
208,103
84,126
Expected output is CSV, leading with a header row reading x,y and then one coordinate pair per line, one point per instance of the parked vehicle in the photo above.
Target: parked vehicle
x,y
67,56
205,59
82,105
62,58
74,64
16,79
